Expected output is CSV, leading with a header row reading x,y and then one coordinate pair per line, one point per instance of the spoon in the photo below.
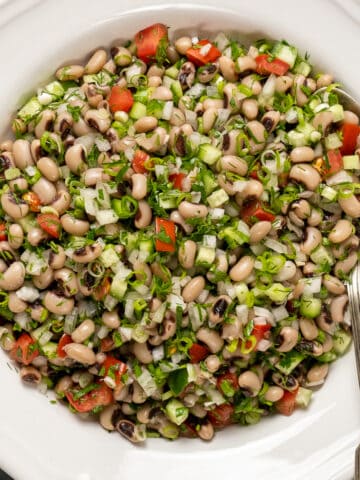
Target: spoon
x,y
348,102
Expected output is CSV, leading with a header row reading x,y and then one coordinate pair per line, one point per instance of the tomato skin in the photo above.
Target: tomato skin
x,y
120,99
230,377
50,223
350,133
139,162
102,289
198,352
221,416
266,66
33,201
118,368
255,209
147,41
20,351
335,162
64,340
177,180
99,397
259,331
286,405
167,226
3,235
194,53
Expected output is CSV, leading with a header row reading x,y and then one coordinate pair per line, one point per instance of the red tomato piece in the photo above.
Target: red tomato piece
x,y
106,344
221,416
166,228
202,53
335,162
286,405
141,162
50,223
3,235
253,208
102,289
120,99
229,377
259,331
177,179
147,41
33,201
266,65
114,368
64,340
350,133
24,351
198,352
101,396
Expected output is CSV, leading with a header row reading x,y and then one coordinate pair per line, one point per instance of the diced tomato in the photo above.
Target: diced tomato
x,y
254,174
50,223
335,163
3,235
141,162
100,396
229,377
267,65
24,351
147,41
253,208
106,344
33,201
221,416
166,229
177,179
102,289
120,99
286,405
202,53
114,368
198,352
188,430
259,331
64,340
350,133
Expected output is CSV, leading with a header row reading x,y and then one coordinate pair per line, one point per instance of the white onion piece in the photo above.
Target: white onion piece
x,y
102,332
196,90
315,384
22,319
203,296
126,333
158,353
275,245
287,272
340,177
216,213
264,312
204,50
86,141
239,185
263,345
269,87
102,144
311,285
221,41
45,337
291,116
280,313
191,119
242,312
167,110
209,241
260,321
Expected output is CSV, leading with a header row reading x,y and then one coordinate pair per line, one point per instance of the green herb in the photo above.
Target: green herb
x,y
77,394
116,336
93,156
75,112
178,380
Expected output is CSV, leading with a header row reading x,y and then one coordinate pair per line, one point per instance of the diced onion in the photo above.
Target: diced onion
x,y
86,141
88,307
260,321
203,296
291,116
221,41
28,293
191,119
158,353
340,177
264,312
280,313
129,308
242,312
159,314
126,333
167,110
269,87
45,337
205,49
311,285
147,383
211,91
175,301
263,345
195,197
243,228
102,144
275,245
102,332
209,241
216,213
196,90
22,319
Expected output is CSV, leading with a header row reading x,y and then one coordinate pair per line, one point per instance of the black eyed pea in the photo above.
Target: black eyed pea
x,y
317,373
172,54
323,80
333,285
346,265
297,91
3,266
43,280
80,353
22,154
107,415
92,176
70,72
142,272
75,159
13,278
242,269
122,56
45,190
301,208
162,93
130,431
143,215
38,312
142,352
111,319
232,97
48,169
212,363
252,82
315,217
209,118
66,279
231,163
6,160
19,184
62,201
145,124
35,236
88,253
99,119
45,122
30,375
15,304
211,338
326,324
186,76
250,108
274,394
287,339
227,68
257,131
154,81
83,331
337,308
226,184
250,383
155,142
351,117
74,226
192,210
81,128
322,121
177,118
63,123
270,120
57,259
207,73
308,328
218,309
302,154
328,343
341,232
15,208
15,236
306,174
155,71
213,103
230,142
187,254
245,64
259,231
206,431
96,61
183,44
58,304
6,146
350,205
36,150
312,239
193,289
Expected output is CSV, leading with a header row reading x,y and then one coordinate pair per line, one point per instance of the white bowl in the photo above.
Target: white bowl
x,y
41,441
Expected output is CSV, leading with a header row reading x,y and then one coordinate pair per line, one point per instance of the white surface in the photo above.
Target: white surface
x,y
40,441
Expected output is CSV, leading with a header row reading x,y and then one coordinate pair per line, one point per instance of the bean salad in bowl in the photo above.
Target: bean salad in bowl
x,y
178,220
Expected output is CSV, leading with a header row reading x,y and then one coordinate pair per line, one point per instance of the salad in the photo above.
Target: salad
x,y
178,220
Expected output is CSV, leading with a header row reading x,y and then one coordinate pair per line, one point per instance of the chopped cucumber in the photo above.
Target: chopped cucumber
x,y
303,397
176,411
329,193
233,236
50,349
338,112
155,108
310,307
12,173
109,257
168,199
351,162
289,362
27,223
322,256
296,139
242,291
209,181
32,108
209,154
332,141
172,72
218,198
341,342
118,287
327,357
205,256
286,53
302,68
138,110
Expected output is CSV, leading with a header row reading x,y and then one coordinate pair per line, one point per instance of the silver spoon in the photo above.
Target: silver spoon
x,y
345,99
